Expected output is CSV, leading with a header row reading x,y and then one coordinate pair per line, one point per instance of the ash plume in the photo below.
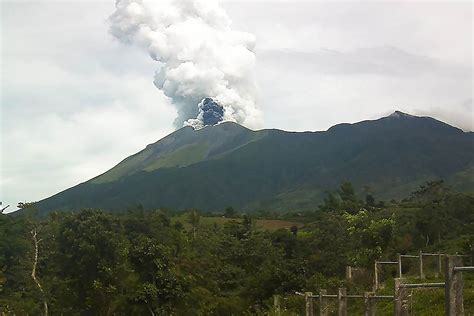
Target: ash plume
x,y
210,113
199,57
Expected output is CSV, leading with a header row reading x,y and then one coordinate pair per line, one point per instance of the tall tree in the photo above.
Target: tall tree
x,y
194,218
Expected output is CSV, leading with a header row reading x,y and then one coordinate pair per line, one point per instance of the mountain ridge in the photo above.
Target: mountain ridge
x,y
228,164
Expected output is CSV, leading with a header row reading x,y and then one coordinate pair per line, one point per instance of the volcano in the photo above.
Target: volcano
x,y
229,165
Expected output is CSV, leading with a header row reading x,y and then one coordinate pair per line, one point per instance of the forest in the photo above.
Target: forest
x,y
164,262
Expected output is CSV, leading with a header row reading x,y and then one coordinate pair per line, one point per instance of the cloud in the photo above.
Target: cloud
x,y
74,102
334,86
381,60
68,112
441,30
198,55
321,62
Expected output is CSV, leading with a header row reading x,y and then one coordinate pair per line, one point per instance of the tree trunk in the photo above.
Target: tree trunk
x,y
33,272
150,309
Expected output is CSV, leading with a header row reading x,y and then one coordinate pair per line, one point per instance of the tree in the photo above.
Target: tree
x,y
194,218
139,263
247,223
159,285
18,294
431,192
370,237
346,192
343,199
91,257
229,212
36,241
294,230
369,200
26,205
331,202
349,202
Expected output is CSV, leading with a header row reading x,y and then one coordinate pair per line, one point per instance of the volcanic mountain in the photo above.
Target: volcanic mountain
x,y
229,165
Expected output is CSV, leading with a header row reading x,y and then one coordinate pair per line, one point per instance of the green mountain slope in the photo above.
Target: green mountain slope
x,y
182,148
228,164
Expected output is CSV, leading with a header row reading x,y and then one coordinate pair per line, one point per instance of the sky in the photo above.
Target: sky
x,y
75,101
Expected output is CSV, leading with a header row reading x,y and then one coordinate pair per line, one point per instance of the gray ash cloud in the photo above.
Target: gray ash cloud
x,y
210,113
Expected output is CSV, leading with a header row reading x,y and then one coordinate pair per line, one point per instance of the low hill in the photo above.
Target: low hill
x,y
230,165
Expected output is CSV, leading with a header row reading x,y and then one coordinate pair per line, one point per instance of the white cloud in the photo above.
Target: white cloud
x,y
319,89
74,102
322,62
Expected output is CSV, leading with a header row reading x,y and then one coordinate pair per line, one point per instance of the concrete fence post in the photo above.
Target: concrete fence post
x,y
342,302
471,259
454,287
369,304
422,275
376,276
400,299
399,265
276,304
323,303
439,273
308,303
348,273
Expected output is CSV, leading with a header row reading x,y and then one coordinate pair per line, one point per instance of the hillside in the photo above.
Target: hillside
x,y
227,164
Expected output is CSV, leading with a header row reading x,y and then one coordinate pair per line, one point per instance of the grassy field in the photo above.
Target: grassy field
x,y
262,224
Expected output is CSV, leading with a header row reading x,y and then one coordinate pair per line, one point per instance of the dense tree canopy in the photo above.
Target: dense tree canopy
x,y
147,262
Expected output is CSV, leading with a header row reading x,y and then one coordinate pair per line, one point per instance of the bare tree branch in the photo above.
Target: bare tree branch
x,y
3,209
33,272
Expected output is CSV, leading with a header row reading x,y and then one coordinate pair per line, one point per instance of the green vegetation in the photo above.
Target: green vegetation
x,y
182,148
156,262
228,164
258,224
183,157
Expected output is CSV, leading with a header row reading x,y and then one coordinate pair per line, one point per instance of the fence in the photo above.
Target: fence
x,y
453,288
342,297
420,256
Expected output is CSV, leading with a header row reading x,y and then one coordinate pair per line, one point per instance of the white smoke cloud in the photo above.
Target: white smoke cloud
x,y
198,55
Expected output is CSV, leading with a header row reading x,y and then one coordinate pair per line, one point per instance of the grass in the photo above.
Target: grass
x,y
427,301
185,156
421,301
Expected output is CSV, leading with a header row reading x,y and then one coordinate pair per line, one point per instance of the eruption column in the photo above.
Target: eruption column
x,y
203,65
